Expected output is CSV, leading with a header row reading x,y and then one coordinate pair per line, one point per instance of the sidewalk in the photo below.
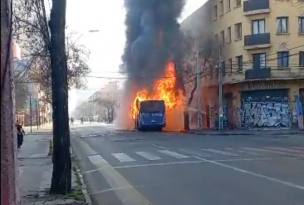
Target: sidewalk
x,y
256,133
35,173
42,129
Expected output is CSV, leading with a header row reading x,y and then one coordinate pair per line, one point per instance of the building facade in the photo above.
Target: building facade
x,y
261,53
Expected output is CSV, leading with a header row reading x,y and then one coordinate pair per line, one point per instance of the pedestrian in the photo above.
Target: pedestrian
x,y
20,134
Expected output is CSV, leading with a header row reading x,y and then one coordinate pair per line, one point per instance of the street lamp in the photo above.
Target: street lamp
x,y
89,31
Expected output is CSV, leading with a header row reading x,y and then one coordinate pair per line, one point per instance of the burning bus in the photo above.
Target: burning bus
x,y
151,115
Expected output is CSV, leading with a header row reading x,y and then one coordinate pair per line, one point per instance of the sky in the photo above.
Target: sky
x,y
106,46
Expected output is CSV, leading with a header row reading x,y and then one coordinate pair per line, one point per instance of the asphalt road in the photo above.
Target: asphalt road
x,y
140,168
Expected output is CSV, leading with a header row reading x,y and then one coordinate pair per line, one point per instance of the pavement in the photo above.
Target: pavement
x,y
163,168
35,173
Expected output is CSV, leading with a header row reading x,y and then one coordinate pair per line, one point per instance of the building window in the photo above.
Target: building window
x,y
282,24
215,12
228,5
238,2
283,59
258,26
221,8
259,60
301,58
228,34
239,61
301,24
238,31
230,65
223,38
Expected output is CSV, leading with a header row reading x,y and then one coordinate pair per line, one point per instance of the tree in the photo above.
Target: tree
x,y
61,178
108,105
21,97
9,189
32,31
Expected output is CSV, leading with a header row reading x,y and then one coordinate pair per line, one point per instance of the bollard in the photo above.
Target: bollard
x,y
50,148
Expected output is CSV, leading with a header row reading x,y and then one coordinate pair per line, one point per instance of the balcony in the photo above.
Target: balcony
x,y
255,41
256,7
254,74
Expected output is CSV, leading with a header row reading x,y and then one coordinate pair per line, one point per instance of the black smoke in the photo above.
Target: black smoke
x,y
152,38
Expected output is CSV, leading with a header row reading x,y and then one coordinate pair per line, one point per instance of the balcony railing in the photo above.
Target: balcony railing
x,y
256,7
257,74
257,40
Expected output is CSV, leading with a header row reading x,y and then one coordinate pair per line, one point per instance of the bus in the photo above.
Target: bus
x,y
151,115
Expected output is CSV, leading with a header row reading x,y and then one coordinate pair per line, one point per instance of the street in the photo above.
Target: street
x,y
139,168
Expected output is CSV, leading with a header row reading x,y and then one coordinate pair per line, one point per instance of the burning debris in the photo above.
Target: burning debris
x,y
151,47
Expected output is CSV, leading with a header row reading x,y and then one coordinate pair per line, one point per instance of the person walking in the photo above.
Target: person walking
x,y
20,134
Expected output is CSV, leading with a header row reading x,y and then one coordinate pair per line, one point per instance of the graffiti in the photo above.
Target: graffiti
x,y
264,114
225,115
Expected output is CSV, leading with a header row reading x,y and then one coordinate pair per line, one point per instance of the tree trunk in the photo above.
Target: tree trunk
x,y
9,188
61,179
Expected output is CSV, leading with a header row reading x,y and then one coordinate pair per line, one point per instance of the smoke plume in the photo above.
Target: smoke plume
x,y
152,33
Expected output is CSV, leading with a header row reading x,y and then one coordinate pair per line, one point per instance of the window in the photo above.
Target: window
x,y
221,8
282,24
230,65
223,38
239,61
228,34
228,5
238,2
301,24
238,31
259,60
215,12
301,58
283,59
258,26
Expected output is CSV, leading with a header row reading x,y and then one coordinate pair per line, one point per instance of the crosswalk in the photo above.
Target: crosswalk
x,y
184,154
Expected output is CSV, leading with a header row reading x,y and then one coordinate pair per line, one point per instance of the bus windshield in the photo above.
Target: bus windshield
x,y
152,106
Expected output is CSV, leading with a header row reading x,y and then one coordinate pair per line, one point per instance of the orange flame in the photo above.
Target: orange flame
x,y
163,89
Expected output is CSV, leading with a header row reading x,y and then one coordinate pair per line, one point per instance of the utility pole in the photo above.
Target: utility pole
x,y
31,114
198,88
220,89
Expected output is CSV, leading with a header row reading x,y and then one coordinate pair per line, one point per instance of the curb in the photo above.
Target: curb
x,y
220,134
83,187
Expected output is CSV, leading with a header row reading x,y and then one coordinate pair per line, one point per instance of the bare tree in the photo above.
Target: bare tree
x,y
199,51
21,97
32,33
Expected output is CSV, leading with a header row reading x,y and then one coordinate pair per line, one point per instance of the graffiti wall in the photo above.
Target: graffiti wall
x,y
263,109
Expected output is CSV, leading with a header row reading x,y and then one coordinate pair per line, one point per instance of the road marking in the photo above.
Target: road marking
x,y
272,151
286,149
158,146
246,152
97,159
185,162
85,147
289,184
123,157
299,148
128,196
194,153
173,154
20,172
220,152
148,156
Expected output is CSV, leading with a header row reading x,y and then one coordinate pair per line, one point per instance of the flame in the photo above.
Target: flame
x,y
163,89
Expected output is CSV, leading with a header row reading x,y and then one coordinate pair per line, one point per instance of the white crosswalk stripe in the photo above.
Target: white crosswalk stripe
x,y
123,157
286,149
148,156
173,154
244,152
97,159
220,152
272,151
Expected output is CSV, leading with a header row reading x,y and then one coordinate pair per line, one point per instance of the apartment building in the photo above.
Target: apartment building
x,y
261,50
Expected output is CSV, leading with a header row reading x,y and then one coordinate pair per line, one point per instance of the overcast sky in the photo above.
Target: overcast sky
x,y
107,45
